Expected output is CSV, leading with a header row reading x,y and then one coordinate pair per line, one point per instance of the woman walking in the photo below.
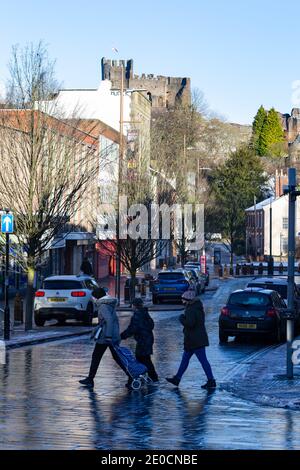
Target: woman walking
x,y
195,339
108,337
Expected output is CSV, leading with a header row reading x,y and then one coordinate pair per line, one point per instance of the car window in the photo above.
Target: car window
x,y
276,300
249,299
170,276
61,284
280,288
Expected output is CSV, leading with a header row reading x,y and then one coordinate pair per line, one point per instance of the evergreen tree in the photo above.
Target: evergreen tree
x,y
234,185
271,135
257,126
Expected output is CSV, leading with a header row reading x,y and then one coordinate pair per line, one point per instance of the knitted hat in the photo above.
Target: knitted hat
x,y
137,302
188,295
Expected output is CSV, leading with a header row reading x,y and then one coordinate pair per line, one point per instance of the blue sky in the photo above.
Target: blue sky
x,y
240,54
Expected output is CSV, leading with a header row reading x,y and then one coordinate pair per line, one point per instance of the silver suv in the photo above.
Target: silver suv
x,y
65,297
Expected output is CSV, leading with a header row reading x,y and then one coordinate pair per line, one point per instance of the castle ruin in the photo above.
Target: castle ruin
x,y
164,92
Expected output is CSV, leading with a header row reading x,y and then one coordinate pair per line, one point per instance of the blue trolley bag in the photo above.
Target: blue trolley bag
x,y
134,368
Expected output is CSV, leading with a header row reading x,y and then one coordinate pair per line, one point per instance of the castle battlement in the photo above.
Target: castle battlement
x,y
164,91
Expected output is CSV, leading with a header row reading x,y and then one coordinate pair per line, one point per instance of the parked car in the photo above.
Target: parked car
x,y
65,297
197,277
170,285
253,311
197,265
280,285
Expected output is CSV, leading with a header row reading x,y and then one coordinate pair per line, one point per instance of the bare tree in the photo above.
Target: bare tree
x,y
48,166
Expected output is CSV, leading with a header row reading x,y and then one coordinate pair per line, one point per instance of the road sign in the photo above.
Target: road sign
x,y
7,223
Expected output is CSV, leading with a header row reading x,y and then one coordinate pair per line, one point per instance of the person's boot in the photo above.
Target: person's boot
x,y
87,382
210,384
173,380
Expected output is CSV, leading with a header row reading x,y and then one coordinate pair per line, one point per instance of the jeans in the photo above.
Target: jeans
x,y
97,356
146,360
201,356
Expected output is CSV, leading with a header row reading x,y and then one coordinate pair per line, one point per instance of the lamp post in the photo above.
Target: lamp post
x,y
120,178
293,193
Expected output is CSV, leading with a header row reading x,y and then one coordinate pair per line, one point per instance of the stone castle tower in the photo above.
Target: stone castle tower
x,y
164,92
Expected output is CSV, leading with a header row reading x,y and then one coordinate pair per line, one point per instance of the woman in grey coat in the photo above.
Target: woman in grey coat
x,y
109,336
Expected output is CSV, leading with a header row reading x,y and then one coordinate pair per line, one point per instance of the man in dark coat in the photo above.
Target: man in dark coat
x,y
141,328
195,339
86,267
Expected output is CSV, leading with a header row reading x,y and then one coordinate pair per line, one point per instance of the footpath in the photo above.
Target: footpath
x,y
261,378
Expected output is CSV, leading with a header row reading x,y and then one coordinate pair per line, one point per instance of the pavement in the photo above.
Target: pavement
x,y
262,379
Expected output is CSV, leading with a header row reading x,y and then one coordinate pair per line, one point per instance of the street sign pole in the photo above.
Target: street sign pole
x,y
291,270
7,227
6,300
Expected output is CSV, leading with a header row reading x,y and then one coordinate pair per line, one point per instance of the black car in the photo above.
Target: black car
x,y
280,285
253,311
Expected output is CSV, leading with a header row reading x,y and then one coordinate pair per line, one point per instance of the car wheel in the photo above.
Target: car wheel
x,y
38,320
223,337
89,315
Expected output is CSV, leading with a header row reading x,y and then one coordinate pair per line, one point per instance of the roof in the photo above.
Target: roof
x,y
68,277
263,203
254,289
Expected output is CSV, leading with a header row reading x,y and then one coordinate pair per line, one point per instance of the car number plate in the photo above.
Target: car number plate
x,y
57,299
169,288
247,326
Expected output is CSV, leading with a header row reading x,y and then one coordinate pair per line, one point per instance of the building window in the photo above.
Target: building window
x,y
284,246
285,222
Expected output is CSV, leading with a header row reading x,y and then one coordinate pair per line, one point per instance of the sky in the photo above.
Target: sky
x,y
241,54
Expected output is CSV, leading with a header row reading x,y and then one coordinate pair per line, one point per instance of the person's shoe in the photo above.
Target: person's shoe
x,y
173,380
87,382
210,384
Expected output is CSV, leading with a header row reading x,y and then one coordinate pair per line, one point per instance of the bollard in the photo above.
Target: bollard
x,y
260,268
225,270
126,293
143,288
237,269
251,268
280,268
18,309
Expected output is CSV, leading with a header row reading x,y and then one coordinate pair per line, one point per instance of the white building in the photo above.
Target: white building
x,y
258,227
102,103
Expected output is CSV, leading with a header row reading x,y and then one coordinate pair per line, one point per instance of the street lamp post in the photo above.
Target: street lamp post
x,y
120,178
293,193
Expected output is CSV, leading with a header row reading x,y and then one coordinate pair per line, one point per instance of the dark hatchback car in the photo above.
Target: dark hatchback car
x,y
280,285
170,285
253,311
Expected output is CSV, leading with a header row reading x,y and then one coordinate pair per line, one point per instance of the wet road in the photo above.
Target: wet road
x,y
42,406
